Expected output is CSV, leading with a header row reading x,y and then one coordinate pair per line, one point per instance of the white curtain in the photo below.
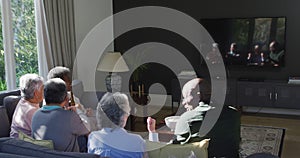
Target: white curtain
x,y
43,42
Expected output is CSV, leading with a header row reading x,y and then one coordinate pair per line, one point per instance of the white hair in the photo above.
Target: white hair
x,y
29,83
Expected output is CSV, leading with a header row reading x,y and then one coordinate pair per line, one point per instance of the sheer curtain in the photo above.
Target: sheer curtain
x,y
56,33
43,42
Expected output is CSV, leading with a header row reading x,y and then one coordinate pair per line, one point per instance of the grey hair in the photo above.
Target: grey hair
x,y
29,83
55,91
111,109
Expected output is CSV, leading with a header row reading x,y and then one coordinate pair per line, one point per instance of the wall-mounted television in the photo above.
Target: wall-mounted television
x,y
256,42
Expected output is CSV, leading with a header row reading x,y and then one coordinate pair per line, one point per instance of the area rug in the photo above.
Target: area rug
x,y
257,139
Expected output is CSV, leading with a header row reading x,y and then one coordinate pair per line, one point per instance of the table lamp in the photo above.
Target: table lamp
x,y
112,62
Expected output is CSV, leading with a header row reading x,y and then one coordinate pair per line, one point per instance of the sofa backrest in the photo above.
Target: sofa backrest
x,y
4,123
10,103
3,94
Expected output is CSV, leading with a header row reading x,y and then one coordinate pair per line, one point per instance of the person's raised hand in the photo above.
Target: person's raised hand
x,y
72,108
151,123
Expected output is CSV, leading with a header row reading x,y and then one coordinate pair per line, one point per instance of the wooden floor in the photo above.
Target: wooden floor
x,y
291,124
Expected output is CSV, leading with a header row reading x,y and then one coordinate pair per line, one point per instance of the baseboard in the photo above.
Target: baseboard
x,y
271,110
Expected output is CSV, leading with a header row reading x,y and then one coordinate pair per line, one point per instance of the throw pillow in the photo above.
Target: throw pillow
x,y
197,149
45,143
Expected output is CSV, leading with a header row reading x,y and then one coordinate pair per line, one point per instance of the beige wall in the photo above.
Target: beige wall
x,y
89,13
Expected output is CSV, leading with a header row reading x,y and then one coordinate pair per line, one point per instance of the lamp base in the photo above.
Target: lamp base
x,y
113,82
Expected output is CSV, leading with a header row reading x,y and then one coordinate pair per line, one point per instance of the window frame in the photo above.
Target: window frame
x,y
8,44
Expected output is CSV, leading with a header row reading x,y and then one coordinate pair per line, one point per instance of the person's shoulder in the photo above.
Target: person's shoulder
x,y
281,53
65,113
94,134
133,136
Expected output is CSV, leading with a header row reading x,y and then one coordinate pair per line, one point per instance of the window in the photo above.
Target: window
x,y
2,68
24,45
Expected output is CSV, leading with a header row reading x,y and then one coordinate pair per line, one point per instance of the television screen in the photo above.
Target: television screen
x,y
258,42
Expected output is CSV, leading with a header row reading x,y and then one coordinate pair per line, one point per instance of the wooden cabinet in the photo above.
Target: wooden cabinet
x,y
268,94
287,96
254,94
231,92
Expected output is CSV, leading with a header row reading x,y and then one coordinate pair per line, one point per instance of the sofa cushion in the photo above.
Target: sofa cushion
x,y
160,150
19,147
4,123
10,102
45,143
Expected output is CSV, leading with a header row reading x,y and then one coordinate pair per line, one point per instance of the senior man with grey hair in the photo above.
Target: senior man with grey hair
x,y
54,122
31,87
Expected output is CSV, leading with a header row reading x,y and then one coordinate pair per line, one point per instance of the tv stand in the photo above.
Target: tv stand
x,y
252,79
260,93
268,93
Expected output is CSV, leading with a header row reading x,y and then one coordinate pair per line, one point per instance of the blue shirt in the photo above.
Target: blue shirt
x,y
116,143
59,125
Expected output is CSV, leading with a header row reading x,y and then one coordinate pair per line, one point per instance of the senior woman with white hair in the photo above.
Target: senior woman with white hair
x,y
112,140
32,92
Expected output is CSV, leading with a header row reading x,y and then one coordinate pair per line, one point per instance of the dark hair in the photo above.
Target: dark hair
x,y
59,72
110,110
55,91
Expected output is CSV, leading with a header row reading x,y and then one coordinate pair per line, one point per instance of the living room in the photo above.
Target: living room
x,y
88,14
208,10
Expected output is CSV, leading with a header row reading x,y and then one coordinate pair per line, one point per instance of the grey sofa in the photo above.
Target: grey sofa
x,y
12,148
8,102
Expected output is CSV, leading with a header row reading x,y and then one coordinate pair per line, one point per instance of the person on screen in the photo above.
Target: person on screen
x,y
213,56
276,55
256,57
233,56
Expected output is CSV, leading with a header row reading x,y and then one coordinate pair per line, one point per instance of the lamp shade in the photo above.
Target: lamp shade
x,y
112,62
